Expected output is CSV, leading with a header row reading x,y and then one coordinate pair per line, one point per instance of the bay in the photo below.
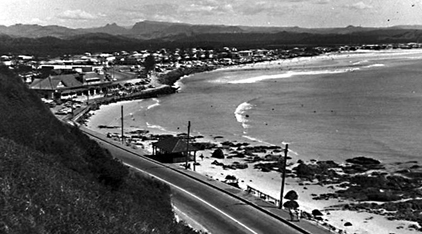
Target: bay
x,y
331,107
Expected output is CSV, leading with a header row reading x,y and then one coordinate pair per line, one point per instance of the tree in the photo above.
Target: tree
x,y
291,205
149,63
291,195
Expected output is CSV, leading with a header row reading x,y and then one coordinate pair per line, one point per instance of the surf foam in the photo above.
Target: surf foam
x,y
157,103
290,74
240,115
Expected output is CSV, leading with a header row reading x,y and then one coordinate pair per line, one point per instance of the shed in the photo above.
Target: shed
x,y
173,150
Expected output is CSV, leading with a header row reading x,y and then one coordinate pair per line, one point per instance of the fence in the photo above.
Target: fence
x,y
301,214
262,195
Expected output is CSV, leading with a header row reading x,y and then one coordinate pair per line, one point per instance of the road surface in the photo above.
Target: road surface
x,y
213,209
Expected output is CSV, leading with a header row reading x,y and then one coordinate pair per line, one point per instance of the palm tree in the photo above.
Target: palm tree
x,y
292,205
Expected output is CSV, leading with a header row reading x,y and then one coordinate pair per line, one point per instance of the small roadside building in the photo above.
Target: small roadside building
x,y
173,150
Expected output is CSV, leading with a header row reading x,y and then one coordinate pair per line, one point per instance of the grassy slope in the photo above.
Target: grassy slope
x,y
54,179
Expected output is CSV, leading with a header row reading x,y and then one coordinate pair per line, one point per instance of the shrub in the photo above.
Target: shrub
x,y
291,195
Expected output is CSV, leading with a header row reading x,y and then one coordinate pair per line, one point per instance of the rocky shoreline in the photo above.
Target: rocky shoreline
x,y
365,184
362,184
170,78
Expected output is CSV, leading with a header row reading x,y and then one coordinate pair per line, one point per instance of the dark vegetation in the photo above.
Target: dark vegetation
x,y
52,46
54,179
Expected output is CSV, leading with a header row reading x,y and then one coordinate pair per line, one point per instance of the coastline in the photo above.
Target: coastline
x,y
268,182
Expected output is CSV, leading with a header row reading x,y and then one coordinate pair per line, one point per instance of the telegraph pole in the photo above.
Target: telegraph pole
x,y
123,137
187,146
283,176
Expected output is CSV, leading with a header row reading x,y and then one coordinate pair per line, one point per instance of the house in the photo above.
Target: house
x,y
53,87
172,150
246,53
75,84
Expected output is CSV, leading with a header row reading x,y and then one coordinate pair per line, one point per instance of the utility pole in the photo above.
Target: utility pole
x,y
87,97
283,176
123,137
72,109
187,146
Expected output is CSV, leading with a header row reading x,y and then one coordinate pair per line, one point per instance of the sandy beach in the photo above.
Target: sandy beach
x,y
135,118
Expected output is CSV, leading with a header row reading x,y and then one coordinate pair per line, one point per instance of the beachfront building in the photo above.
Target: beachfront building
x,y
71,85
245,56
173,150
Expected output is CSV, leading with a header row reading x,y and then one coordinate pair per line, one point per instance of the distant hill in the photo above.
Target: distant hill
x,y
57,40
78,44
152,29
112,29
415,27
37,31
156,30
54,179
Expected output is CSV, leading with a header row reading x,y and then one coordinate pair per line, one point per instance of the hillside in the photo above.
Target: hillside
x,y
54,179
53,46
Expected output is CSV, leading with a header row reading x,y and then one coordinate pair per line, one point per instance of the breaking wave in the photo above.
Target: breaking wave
x,y
290,74
240,115
155,127
157,103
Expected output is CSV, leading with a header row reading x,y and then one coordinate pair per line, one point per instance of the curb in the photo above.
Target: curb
x,y
292,225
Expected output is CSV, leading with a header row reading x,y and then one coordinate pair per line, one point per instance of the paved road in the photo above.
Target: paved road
x,y
215,210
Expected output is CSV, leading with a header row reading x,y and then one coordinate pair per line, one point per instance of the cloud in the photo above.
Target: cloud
x,y
269,8
37,21
165,18
211,7
359,6
151,9
76,15
178,12
157,12
323,1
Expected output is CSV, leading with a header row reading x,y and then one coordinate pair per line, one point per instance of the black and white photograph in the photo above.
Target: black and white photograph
x,y
211,116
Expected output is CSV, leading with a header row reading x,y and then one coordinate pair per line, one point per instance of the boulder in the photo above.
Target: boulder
x,y
218,153
347,224
363,161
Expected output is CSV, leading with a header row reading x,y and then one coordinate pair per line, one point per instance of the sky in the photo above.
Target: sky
x,y
285,13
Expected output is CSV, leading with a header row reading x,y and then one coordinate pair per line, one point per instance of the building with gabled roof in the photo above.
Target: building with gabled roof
x,y
172,150
55,87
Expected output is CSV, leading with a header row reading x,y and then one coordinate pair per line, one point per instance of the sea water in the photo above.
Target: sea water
x,y
329,108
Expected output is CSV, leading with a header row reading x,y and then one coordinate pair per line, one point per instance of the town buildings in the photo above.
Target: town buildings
x,y
94,73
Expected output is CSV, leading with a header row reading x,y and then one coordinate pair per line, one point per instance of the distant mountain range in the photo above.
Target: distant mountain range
x,y
152,34
155,30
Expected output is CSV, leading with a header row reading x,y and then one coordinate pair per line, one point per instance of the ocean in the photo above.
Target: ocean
x,y
331,107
